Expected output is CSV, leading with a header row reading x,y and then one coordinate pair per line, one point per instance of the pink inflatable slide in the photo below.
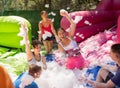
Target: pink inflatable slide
x,y
90,23
118,30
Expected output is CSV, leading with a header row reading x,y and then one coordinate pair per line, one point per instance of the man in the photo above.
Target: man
x,y
105,77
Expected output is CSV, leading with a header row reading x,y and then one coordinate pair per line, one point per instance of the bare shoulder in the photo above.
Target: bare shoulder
x,y
40,22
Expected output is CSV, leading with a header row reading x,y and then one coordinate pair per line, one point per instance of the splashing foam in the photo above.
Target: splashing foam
x,y
57,76
87,22
78,18
46,5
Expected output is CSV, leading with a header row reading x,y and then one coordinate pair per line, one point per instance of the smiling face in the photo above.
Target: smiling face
x,y
37,48
61,33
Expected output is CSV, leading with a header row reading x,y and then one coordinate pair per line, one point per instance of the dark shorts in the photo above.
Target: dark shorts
x,y
48,38
109,76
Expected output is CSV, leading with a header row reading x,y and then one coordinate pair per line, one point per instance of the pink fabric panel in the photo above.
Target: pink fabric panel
x,y
116,5
105,16
93,17
88,31
118,30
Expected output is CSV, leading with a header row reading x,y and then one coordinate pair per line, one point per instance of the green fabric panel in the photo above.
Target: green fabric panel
x,y
3,50
9,29
10,40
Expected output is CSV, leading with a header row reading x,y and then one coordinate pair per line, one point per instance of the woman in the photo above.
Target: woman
x,y
34,57
46,31
68,45
26,80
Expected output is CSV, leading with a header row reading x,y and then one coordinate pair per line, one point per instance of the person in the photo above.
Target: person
x,y
68,45
5,80
26,80
46,31
109,75
34,57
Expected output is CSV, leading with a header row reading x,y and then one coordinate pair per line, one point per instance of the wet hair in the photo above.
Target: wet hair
x,y
116,49
60,29
35,43
34,69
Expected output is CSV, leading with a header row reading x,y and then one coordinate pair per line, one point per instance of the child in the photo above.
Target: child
x,y
26,80
35,56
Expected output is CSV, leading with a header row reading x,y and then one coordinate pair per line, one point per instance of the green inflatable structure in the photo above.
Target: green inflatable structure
x,y
9,31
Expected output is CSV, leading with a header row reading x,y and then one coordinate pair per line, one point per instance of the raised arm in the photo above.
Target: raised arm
x,y
27,45
72,26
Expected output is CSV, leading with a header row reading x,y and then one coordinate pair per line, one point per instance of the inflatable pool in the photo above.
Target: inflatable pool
x,y
10,29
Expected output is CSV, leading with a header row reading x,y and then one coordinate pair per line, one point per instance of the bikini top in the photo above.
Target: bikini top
x,y
72,45
72,49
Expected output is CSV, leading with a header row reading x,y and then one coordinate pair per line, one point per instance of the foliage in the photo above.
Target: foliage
x,y
53,4
24,8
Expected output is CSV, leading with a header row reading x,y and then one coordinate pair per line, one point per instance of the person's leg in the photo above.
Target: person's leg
x,y
102,75
50,44
46,46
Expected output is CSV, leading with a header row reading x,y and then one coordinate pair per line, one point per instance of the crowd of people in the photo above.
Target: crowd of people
x,y
68,46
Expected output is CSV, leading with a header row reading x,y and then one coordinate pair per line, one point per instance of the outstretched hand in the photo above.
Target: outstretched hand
x,y
24,27
63,12
82,79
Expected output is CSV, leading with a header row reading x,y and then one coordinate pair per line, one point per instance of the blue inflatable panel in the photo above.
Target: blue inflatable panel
x,y
18,81
93,71
50,57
